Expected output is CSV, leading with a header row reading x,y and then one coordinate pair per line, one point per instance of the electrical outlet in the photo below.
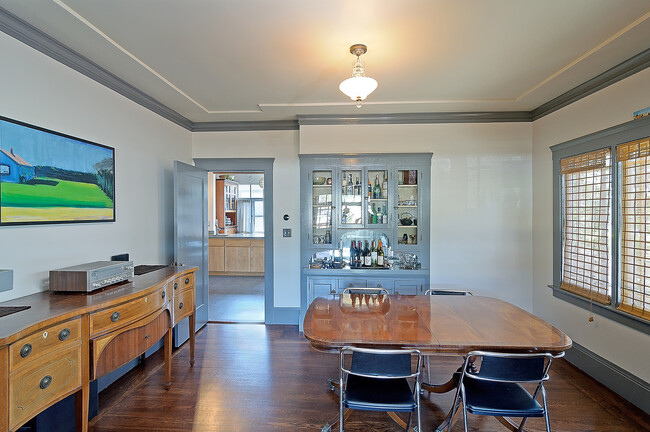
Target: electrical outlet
x,y
286,232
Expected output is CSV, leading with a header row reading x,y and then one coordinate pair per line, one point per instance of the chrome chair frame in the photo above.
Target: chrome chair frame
x,y
468,371
345,372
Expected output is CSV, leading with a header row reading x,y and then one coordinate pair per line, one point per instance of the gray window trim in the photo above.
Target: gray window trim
x,y
607,138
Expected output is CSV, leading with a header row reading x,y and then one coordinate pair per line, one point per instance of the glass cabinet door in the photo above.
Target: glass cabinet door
x,y
351,198
377,192
407,207
322,207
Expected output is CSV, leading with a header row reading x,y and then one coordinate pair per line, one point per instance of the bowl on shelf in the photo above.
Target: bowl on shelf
x,y
319,181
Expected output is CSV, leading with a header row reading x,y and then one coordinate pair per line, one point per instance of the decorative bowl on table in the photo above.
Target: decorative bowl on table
x,y
319,181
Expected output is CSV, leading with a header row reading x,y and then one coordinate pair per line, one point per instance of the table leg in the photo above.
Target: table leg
x,y
192,336
167,347
81,401
439,388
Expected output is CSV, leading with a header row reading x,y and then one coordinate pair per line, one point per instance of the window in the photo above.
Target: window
x,y
4,169
601,228
255,195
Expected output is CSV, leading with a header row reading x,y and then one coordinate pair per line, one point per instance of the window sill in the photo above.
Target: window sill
x,y
606,311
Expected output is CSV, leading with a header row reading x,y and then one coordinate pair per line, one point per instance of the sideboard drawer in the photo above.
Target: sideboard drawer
x,y
184,282
43,342
183,305
42,382
115,349
120,315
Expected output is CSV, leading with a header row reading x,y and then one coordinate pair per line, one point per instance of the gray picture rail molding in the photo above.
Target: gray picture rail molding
x,y
35,38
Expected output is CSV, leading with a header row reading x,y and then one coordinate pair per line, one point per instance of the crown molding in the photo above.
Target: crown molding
x,y
244,126
622,70
35,38
417,118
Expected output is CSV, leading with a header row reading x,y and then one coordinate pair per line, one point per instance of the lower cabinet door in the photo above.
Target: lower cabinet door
x,y
38,384
115,349
320,287
409,287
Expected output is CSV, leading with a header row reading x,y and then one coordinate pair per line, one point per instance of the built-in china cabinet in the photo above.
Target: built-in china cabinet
x,y
226,205
364,198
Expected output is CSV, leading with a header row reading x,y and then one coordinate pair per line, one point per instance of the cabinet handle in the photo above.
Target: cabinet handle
x,y
115,316
63,334
146,336
26,350
187,281
164,294
45,382
175,285
180,306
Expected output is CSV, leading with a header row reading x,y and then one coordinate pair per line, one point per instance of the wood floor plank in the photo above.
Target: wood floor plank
x,y
267,378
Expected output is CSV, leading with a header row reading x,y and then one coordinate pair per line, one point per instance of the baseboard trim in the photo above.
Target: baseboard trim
x,y
628,386
284,316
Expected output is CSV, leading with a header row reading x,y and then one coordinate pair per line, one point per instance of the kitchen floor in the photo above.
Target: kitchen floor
x,y
236,299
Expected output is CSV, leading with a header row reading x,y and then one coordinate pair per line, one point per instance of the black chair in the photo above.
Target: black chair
x,y
496,390
379,380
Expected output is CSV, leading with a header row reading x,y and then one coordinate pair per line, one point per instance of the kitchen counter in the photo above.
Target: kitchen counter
x,y
238,235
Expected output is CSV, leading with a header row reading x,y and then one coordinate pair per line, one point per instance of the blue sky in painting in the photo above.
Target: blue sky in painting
x,y
42,148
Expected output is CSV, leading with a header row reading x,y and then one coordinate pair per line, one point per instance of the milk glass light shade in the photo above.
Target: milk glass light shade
x,y
358,87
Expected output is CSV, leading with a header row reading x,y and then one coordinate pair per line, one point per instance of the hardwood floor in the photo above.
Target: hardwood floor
x,y
267,378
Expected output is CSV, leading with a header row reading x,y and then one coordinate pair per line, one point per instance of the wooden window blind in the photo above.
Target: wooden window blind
x,y
634,160
587,182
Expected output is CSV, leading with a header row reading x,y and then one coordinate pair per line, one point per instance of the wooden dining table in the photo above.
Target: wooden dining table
x,y
435,325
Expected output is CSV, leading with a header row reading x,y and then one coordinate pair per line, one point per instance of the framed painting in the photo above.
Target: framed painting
x,y
47,177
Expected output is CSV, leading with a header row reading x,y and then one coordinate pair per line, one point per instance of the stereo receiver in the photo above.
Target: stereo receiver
x,y
91,276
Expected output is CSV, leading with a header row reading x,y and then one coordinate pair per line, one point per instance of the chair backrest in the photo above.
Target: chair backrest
x,y
510,367
447,292
363,290
379,363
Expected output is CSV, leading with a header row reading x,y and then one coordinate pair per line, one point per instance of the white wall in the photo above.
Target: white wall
x,y
611,106
283,146
40,91
480,197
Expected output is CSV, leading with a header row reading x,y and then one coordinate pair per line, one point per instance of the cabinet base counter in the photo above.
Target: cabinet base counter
x,y
63,341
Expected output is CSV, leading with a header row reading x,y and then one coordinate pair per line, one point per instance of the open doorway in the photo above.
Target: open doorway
x,y
237,249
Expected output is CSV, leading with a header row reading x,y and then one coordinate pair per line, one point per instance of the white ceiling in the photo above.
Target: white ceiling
x,y
255,60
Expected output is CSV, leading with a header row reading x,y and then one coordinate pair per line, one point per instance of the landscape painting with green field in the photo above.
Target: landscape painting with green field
x,y
47,177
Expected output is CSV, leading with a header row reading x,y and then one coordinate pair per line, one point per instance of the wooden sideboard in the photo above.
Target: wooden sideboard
x,y
65,340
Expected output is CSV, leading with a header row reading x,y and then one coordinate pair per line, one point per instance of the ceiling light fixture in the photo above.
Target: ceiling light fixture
x,y
359,86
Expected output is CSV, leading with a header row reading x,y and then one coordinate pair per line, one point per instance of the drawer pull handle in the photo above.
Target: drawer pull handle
x,y
45,382
180,306
26,350
115,316
164,294
64,334
187,281
175,285
146,336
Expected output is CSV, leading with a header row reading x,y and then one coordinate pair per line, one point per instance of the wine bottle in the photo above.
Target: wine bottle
x,y
373,215
376,191
367,261
357,187
353,253
384,192
373,255
369,189
358,263
380,255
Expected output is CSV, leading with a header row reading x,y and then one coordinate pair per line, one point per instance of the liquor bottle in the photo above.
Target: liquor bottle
x,y
384,217
369,189
373,215
380,255
380,216
376,191
384,191
350,189
357,187
353,253
373,255
344,185
367,258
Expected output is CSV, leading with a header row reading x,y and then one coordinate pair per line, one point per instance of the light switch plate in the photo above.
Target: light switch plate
x,y
286,232
6,280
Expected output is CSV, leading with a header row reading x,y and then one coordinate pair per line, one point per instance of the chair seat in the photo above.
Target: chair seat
x,y
500,399
372,394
